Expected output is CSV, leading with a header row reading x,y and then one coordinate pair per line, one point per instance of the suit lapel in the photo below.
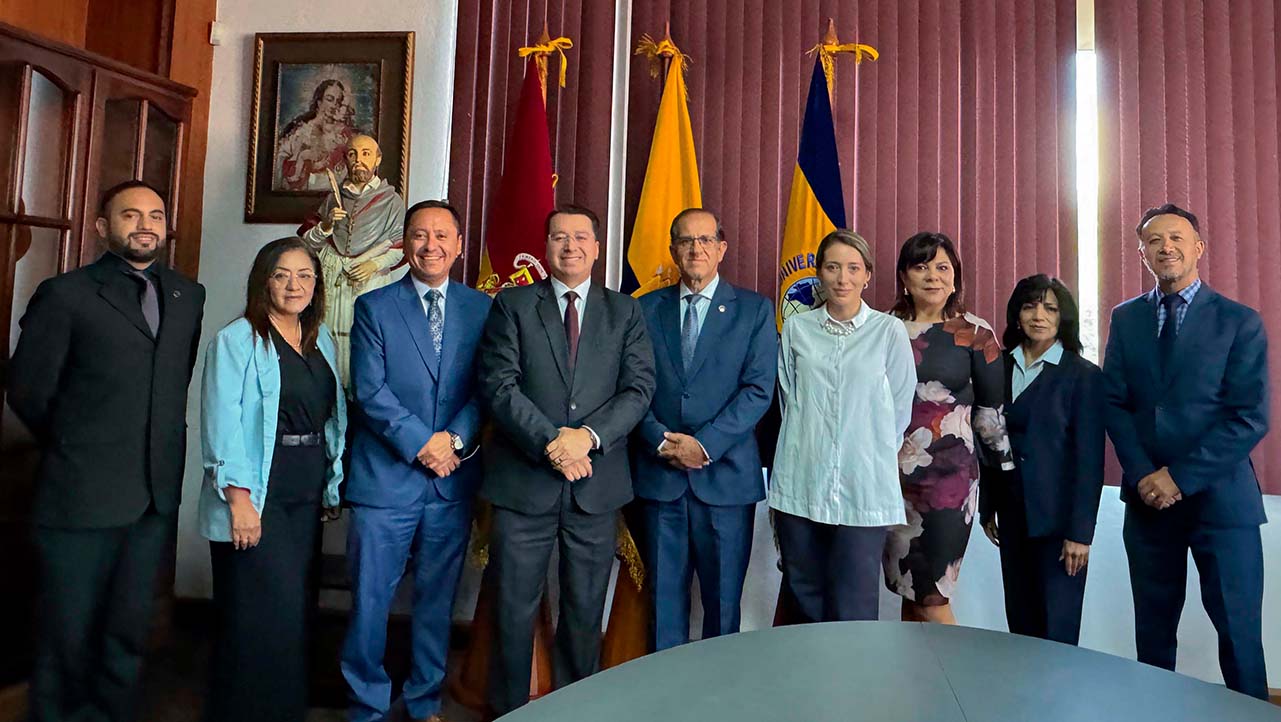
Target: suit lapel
x,y
457,306
722,312
121,292
669,324
411,309
549,312
591,328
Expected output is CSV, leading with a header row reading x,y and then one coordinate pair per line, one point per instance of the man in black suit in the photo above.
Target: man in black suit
x,y
100,377
566,371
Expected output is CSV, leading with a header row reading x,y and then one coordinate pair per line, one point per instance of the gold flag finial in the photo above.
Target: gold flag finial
x,y
659,50
830,47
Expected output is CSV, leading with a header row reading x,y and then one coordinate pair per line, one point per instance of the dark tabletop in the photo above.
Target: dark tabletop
x,y
889,671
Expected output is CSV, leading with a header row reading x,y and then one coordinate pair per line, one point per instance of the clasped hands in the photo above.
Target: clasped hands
x,y
568,453
682,451
438,454
1158,489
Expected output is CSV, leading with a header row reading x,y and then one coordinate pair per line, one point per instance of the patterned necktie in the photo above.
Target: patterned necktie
x,y
689,329
571,326
435,319
150,301
1170,329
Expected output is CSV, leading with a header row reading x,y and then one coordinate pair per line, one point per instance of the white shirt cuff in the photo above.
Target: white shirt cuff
x,y
595,438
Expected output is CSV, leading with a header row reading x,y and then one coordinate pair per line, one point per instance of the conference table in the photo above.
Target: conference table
x,y
891,671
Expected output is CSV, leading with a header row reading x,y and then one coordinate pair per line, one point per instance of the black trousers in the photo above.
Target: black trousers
x,y
1041,600
522,546
833,572
261,597
97,588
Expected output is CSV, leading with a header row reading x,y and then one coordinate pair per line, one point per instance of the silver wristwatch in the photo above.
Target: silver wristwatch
x,y
456,442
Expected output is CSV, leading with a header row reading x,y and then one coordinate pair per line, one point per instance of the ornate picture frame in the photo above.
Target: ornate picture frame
x,y
312,92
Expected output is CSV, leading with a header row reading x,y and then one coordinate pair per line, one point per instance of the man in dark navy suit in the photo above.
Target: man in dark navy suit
x,y
697,466
1186,373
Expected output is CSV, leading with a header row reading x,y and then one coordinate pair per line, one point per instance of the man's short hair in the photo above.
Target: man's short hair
x,y
110,194
1168,209
720,230
424,205
572,210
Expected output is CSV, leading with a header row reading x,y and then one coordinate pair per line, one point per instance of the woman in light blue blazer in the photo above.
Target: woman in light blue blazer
x,y
273,421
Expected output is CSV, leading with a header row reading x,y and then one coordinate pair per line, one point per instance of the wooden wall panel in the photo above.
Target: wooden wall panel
x,y
191,64
138,32
61,20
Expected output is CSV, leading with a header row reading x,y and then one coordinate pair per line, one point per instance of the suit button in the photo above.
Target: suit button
x,y
685,396
573,406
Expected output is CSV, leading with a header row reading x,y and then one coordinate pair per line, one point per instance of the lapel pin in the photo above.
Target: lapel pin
x,y
177,294
721,308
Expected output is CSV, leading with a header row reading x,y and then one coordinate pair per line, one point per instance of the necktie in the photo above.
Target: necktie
x,y
435,319
689,329
150,301
1170,329
571,325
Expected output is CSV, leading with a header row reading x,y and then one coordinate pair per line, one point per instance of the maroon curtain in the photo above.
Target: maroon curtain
x,y
964,125
487,79
1188,114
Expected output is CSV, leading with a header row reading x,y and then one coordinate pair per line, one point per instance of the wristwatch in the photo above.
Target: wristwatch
x,y
456,442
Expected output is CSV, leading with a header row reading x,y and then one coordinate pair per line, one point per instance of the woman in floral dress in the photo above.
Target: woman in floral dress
x,y
957,430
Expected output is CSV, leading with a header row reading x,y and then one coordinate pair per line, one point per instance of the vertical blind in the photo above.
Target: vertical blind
x,y
1188,114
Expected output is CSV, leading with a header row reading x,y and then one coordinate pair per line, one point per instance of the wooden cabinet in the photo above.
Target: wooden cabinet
x,y
71,125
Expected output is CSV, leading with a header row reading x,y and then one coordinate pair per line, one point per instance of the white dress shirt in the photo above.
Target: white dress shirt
x,y
422,287
580,303
847,390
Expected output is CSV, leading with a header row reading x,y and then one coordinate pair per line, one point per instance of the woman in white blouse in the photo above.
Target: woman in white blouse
x,y
847,378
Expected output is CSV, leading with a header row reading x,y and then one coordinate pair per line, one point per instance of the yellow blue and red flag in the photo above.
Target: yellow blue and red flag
x,y
816,204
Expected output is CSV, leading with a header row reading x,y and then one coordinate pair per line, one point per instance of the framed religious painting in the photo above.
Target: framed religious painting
x,y
311,93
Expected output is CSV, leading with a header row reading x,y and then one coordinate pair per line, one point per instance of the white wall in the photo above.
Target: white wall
x,y
228,244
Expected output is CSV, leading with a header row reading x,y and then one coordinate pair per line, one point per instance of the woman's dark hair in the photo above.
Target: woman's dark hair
x,y
1032,290
317,95
258,298
919,249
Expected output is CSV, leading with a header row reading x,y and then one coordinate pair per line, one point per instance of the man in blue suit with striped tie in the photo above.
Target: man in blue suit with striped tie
x,y
412,478
1187,386
697,469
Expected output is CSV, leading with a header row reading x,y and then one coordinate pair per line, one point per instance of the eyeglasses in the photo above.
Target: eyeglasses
x,y
282,278
704,242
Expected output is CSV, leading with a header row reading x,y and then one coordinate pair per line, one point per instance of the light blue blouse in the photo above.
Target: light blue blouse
x,y
847,399
239,404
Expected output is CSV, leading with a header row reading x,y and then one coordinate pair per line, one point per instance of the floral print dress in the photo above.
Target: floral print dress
x,y
957,432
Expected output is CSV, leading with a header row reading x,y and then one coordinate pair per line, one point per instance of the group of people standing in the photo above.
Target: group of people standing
x,y
561,401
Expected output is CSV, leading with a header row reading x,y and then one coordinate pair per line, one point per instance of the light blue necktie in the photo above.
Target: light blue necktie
x,y
689,330
435,319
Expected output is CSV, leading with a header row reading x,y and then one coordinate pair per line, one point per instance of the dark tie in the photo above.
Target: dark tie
x,y
571,325
689,330
150,301
435,319
1170,329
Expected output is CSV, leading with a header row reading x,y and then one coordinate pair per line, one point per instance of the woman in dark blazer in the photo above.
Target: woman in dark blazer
x,y
1042,514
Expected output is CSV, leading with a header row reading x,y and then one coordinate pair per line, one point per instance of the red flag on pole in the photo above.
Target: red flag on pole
x,y
514,240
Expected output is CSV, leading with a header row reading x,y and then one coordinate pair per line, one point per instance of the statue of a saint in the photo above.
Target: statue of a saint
x,y
357,232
